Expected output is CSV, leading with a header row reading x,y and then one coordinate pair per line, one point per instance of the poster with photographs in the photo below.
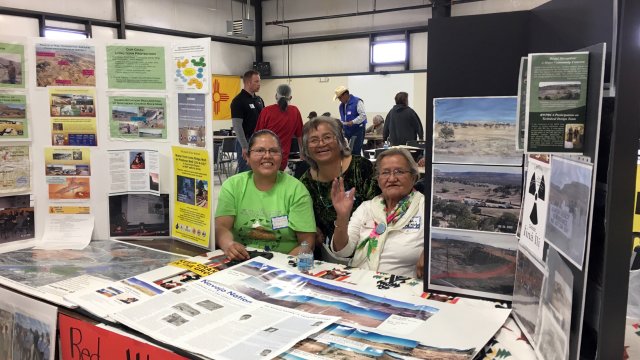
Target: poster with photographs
x,y
64,64
17,220
137,118
556,102
134,171
472,197
472,263
569,201
15,169
139,215
555,309
13,117
191,119
536,201
476,130
27,327
12,63
522,103
527,292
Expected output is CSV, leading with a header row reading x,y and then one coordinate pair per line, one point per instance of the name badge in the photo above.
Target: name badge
x,y
279,222
252,106
348,112
414,223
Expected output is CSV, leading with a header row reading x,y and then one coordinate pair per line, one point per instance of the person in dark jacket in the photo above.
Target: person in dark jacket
x,y
402,123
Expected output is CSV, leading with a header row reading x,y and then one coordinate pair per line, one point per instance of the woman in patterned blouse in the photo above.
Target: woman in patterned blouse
x,y
326,150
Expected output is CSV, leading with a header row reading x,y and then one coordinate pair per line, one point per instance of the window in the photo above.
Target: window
x,y
394,52
64,34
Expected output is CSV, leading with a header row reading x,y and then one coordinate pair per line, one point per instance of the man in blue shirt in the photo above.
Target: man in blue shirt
x,y
353,117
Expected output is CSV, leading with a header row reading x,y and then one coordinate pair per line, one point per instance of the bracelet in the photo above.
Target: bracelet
x,y
335,225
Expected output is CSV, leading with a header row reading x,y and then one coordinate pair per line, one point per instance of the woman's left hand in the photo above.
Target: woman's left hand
x,y
342,201
420,266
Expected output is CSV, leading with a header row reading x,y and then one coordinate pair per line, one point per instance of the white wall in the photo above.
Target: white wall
x,y
96,9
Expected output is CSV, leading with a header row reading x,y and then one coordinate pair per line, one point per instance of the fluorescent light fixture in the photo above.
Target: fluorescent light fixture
x,y
389,52
64,34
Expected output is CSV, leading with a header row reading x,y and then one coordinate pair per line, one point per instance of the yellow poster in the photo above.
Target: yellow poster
x,y
636,213
69,210
191,214
63,161
73,117
225,88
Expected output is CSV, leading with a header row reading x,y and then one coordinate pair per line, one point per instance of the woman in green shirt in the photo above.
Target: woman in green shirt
x,y
263,208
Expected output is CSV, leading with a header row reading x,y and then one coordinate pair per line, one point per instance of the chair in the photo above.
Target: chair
x,y
217,168
294,151
228,152
378,151
417,143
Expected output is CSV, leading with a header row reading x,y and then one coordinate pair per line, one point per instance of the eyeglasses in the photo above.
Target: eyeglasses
x,y
395,172
263,151
326,139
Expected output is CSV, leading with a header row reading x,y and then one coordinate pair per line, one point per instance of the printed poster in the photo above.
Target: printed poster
x,y
73,117
191,65
63,161
556,102
476,130
192,215
17,219
191,119
15,169
13,117
139,215
28,327
134,171
135,118
136,67
568,213
522,103
59,64
11,65
536,201
225,88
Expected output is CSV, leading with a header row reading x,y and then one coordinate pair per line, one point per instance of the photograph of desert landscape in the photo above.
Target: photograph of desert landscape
x,y
476,131
65,65
527,292
559,90
569,200
484,198
474,263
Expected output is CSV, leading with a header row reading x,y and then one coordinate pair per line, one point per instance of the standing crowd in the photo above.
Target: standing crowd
x,y
343,206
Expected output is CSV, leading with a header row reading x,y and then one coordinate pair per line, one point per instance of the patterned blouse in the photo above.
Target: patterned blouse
x,y
359,174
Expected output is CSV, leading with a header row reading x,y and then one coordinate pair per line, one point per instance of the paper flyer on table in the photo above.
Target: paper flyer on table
x,y
134,171
242,326
432,323
67,231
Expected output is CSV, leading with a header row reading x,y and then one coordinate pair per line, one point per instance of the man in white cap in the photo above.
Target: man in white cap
x,y
353,117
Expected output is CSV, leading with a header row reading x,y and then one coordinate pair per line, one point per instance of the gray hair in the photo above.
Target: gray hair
x,y
413,166
379,118
335,126
283,90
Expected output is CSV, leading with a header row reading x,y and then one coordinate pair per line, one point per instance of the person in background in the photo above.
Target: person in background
x,y
375,129
353,117
312,115
386,233
326,151
263,208
284,120
245,110
402,123
327,114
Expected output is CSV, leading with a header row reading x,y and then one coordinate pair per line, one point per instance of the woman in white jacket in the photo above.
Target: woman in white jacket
x,y
386,233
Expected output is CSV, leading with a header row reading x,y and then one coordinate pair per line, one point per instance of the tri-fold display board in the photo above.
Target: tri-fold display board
x,y
512,227
81,121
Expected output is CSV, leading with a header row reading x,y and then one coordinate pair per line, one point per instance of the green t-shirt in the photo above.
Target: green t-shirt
x,y
267,218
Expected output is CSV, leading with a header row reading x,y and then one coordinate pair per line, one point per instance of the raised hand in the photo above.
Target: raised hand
x,y
342,201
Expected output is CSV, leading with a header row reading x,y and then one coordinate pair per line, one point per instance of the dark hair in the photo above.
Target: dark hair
x,y
263,132
248,75
312,115
402,98
336,128
328,114
283,95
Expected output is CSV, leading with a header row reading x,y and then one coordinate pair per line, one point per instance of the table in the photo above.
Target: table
x,y
222,137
